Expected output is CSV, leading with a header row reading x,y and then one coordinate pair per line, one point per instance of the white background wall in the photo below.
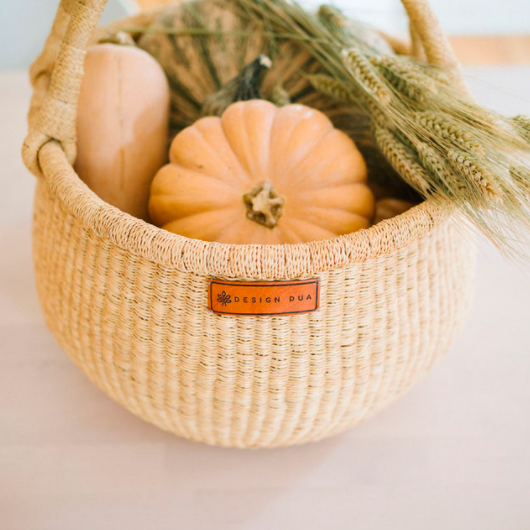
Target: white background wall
x,y
458,17
25,23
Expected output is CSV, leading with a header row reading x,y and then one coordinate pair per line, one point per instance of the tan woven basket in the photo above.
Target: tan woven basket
x,y
129,303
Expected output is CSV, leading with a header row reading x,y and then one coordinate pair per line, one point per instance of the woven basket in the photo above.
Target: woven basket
x,y
129,304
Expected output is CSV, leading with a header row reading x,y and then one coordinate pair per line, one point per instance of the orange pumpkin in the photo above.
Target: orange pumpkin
x,y
262,174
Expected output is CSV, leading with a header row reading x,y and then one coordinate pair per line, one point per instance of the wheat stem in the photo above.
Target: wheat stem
x,y
339,91
523,126
521,176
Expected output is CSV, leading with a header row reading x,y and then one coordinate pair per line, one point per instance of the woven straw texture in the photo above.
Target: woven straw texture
x,y
128,301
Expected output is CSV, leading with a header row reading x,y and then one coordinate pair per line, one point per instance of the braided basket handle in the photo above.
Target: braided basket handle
x,y
56,74
56,77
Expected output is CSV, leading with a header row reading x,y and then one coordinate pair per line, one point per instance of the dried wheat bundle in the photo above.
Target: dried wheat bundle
x,y
437,139
444,145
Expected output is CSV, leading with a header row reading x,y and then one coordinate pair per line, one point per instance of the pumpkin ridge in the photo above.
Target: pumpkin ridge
x,y
356,197
167,200
230,234
325,185
304,174
325,233
261,167
320,170
290,234
241,143
195,174
316,144
219,174
233,172
231,188
308,148
328,212
306,210
335,196
251,232
217,227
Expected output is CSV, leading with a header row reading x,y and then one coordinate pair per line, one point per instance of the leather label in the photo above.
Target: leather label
x,y
263,298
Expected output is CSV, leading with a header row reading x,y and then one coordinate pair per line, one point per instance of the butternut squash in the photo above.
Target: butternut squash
x,y
122,125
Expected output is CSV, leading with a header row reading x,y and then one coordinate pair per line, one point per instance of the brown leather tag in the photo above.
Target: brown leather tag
x,y
263,298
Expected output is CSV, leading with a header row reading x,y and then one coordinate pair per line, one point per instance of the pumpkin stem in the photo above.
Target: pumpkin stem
x,y
264,205
244,87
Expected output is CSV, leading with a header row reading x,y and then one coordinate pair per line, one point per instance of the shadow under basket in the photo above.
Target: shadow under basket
x,y
129,302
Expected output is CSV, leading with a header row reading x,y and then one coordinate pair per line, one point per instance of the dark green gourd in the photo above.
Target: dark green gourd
x,y
204,45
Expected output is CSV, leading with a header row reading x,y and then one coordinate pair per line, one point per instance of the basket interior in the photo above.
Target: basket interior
x,y
223,60
244,261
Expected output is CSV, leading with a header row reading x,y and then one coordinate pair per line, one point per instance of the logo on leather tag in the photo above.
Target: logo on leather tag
x,y
263,298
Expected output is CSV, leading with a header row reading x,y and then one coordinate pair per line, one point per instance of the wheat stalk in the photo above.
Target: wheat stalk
x,y
443,144
403,160
332,16
405,76
448,183
475,172
443,127
521,176
339,91
331,87
523,126
366,75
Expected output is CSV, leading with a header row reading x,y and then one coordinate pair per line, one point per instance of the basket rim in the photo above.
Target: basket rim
x,y
253,261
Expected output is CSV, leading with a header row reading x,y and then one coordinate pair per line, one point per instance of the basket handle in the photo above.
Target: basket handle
x,y
56,74
424,26
56,78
